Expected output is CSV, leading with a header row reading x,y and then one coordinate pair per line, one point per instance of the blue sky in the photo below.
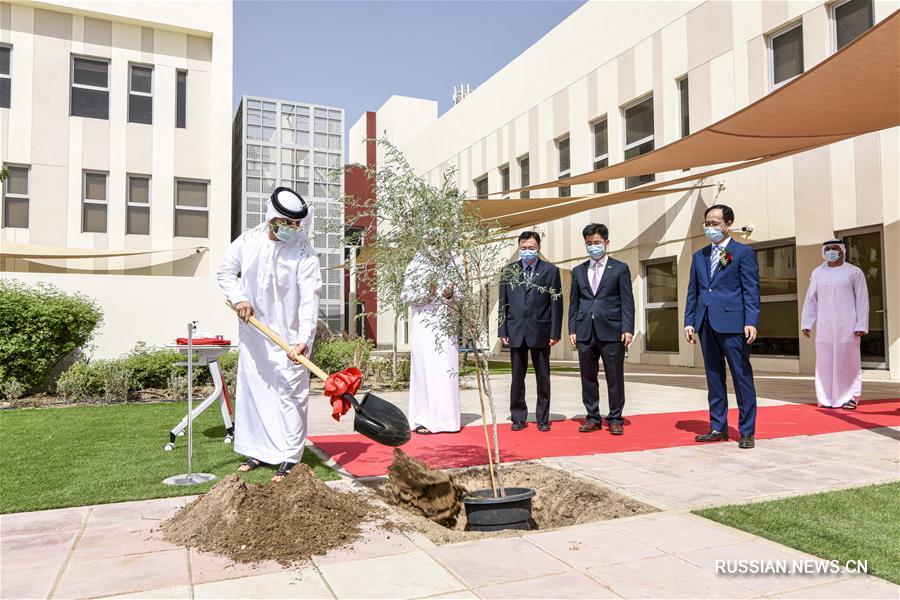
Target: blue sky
x,y
356,54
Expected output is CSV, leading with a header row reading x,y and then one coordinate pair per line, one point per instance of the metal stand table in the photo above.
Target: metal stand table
x,y
209,356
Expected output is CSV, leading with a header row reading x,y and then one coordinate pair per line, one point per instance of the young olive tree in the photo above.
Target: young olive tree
x,y
459,261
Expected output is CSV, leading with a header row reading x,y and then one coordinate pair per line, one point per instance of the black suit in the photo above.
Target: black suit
x,y
598,321
530,318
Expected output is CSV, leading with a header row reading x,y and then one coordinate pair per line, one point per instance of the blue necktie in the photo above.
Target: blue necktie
x,y
715,260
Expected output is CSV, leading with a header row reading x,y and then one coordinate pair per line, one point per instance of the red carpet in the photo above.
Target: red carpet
x,y
363,457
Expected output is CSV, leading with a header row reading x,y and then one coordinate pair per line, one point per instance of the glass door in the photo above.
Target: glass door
x,y
864,249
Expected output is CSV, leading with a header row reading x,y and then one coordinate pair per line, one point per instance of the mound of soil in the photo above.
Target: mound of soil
x,y
433,494
289,521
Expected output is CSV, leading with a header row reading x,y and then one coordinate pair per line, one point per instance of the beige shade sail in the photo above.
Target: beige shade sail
x,y
853,92
26,251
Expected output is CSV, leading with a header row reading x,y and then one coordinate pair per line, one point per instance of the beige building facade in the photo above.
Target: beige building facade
x,y
617,79
117,136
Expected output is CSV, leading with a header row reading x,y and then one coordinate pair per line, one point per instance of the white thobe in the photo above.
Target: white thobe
x,y
434,352
281,280
837,302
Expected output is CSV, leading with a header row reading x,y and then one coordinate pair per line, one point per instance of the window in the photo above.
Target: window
x,y
565,165
137,219
639,136
90,88
295,125
191,208
181,100
504,179
140,94
786,53
851,19
481,188
684,106
15,197
778,321
327,128
93,204
524,175
601,152
327,176
5,76
661,310
261,121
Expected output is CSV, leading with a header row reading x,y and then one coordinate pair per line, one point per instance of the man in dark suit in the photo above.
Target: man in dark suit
x,y
722,310
601,326
530,321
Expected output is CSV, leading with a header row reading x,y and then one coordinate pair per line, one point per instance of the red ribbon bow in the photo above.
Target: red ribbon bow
x,y
338,384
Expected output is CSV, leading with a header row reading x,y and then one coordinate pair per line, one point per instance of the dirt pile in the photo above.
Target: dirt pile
x,y
433,494
288,522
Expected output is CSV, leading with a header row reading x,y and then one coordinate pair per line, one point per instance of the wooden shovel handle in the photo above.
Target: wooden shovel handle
x,y
284,345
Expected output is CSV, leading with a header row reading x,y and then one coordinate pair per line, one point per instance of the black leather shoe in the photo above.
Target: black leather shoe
x,y
543,426
518,425
615,428
746,442
712,436
589,426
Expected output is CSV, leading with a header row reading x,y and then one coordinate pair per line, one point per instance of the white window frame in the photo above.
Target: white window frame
x,y
771,52
177,72
598,157
82,86
478,180
8,75
504,186
86,200
191,208
650,138
7,194
648,306
129,203
832,20
144,94
522,182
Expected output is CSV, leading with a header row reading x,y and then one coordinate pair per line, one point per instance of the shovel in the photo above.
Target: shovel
x,y
374,417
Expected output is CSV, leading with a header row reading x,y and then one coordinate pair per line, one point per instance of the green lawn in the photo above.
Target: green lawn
x,y
72,456
855,524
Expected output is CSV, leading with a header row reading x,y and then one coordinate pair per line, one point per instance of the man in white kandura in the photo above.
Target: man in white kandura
x,y
279,284
434,351
837,302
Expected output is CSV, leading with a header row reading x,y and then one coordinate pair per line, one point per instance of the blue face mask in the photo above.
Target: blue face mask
x,y
596,251
527,255
285,234
714,234
832,255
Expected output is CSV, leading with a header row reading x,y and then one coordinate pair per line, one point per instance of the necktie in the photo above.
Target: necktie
x,y
595,276
715,260
528,274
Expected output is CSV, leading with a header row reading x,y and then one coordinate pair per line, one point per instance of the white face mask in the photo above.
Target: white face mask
x,y
832,255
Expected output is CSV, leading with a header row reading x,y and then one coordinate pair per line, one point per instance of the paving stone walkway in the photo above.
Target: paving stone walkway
x,y
113,551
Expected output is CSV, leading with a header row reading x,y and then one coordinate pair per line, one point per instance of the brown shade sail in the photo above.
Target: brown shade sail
x,y
853,92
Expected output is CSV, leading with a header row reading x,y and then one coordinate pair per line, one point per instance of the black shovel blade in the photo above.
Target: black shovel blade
x,y
381,421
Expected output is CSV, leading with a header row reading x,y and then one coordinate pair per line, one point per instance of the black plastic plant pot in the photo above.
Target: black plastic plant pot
x,y
512,510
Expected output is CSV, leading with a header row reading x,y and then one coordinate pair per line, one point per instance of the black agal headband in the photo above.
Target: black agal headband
x,y
289,203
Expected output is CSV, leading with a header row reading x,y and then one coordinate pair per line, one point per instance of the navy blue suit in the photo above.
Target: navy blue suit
x,y
530,317
718,307
598,321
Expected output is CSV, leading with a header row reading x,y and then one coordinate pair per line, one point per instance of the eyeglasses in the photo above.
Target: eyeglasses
x,y
594,244
713,223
